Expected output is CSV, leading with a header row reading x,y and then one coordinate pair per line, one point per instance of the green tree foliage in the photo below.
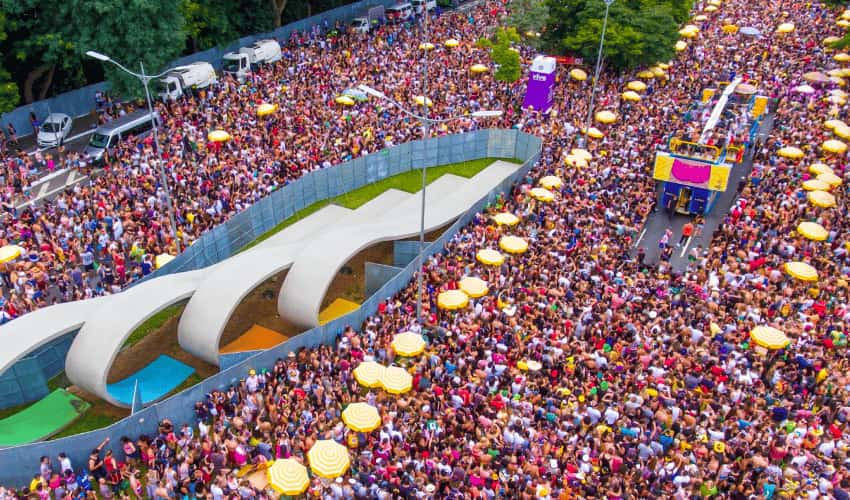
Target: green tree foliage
x,y
640,32
528,15
8,89
507,60
133,31
40,42
210,23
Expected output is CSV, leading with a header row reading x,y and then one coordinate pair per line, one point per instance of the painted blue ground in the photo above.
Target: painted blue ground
x,y
155,380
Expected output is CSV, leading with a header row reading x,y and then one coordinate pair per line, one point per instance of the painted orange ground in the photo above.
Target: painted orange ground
x,y
337,308
255,339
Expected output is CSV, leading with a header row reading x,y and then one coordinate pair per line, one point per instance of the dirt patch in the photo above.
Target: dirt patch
x,y
160,341
260,307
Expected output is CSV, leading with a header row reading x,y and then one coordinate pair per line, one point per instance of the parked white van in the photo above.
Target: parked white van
x,y
399,13
107,136
239,64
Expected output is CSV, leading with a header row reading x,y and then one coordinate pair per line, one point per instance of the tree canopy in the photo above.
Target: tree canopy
x,y
639,32
8,89
507,60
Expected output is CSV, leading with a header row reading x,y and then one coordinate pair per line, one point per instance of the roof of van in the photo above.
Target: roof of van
x,y
399,6
124,120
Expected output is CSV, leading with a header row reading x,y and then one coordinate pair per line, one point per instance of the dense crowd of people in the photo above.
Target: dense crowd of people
x,y
650,385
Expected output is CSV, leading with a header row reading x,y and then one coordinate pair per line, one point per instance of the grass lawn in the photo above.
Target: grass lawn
x,y
409,182
154,323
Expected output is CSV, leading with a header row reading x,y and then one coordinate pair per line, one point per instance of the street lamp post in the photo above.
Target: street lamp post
x,y
595,81
163,179
426,121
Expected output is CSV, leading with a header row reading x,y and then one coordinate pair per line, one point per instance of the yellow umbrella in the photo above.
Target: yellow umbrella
x,y
542,194
710,8
578,74
646,74
791,152
420,101
368,373
830,178
328,459
830,40
815,185
218,136
550,182
700,18
842,57
842,131
452,299
657,71
821,199
575,161
478,68
832,124
163,259
490,257
836,99
815,76
834,146
361,417
513,244
844,23
452,43
288,477
396,380
785,28
636,85
266,109
680,45
426,46
631,95
506,219
715,2
583,153
595,133
606,117
812,231
730,28
344,100
820,168
769,337
9,253
408,344
683,32
801,271
845,15
474,287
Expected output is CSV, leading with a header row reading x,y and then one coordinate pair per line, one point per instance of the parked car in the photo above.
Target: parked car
x,y
54,130
360,25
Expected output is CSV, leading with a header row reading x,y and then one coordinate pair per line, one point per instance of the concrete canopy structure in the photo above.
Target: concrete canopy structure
x,y
314,269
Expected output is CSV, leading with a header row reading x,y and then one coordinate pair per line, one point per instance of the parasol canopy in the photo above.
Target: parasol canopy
x,y
506,219
408,344
801,271
396,380
361,417
821,199
474,287
452,299
812,231
513,244
542,194
288,477
368,373
328,459
550,182
490,257
769,337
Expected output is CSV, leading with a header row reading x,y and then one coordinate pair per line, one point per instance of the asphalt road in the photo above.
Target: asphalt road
x,y
660,221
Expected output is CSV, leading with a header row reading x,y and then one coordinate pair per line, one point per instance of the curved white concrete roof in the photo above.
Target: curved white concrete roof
x,y
108,327
315,248
315,268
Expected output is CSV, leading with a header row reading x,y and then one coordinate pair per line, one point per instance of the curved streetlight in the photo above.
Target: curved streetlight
x,y
595,81
163,179
426,124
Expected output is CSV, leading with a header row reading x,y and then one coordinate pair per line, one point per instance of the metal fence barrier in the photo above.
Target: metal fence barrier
x,y
17,464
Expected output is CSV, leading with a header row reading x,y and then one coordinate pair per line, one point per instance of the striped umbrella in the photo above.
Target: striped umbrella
x,y
408,344
490,257
328,459
368,373
474,287
288,477
361,417
396,380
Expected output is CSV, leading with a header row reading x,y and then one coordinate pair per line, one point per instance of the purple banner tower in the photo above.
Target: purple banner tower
x,y
541,84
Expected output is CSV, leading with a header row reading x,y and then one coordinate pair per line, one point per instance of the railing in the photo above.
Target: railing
x,y
17,464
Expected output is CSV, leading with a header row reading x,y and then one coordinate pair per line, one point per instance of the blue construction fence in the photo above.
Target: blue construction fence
x,y
81,102
17,464
18,386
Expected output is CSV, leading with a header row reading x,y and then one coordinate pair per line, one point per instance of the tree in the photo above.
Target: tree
x,y
41,41
639,33
210,23
150,31
507,60
278,6
8,89
528,15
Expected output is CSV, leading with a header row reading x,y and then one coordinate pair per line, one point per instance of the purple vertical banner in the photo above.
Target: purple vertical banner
x,y
540,90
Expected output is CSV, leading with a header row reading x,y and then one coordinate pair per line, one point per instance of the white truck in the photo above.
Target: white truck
x,y
239,64
181,79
